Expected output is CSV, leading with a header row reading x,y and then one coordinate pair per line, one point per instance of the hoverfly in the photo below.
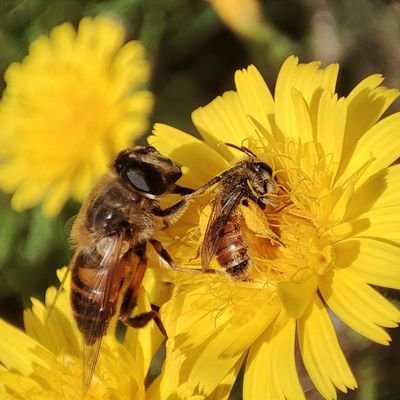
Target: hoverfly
x,y
110,234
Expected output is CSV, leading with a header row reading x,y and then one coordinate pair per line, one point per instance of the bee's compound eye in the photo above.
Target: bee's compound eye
x,y
262,167
146,178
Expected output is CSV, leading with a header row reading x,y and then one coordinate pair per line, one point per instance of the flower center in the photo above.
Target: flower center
x,y
299,242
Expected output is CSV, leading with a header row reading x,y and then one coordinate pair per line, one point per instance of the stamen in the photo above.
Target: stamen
x,y
298,217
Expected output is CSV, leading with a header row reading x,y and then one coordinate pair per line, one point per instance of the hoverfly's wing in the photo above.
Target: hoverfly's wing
x,y
223,207
67,229
100,309
68,226
59,290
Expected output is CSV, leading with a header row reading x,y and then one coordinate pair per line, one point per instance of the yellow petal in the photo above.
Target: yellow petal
x,y
63,39
165,388
196,372
193,314
224,121
167,382
380,190
136,105
381,223
207,368
309,80
11,175
119,371
255,96
244,17
295,295
233,322
247,326
57,196
367,95
373,261
204,344
21,386
331,125
270,368
380,143
345,195
83,182
55,331
224,389
321,353
27,195
303,122
365,104
18,351
358,305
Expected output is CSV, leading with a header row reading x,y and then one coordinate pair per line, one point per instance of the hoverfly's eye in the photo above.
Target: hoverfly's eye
x,y
146,178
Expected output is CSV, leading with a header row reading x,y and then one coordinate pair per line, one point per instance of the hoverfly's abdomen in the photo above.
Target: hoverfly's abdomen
x,y
232,253
87,295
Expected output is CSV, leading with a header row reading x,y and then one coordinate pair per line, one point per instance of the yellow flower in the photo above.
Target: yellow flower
x,y
45,361
334,231
68,108
242,16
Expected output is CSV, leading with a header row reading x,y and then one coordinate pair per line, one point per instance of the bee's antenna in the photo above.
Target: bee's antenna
x,y
243,149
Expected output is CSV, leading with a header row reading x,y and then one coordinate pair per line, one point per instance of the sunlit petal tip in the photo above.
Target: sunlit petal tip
x,y
292,60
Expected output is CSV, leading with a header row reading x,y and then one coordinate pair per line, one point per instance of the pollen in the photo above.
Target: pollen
x,y
295,241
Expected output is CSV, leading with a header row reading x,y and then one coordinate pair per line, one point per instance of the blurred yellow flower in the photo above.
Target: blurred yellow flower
x,y
68,107
242,16
337,221
45,361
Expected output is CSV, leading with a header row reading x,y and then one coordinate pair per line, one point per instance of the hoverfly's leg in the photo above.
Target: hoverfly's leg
x,y
181,205
163,253
141,320
182,190
156,310
129,301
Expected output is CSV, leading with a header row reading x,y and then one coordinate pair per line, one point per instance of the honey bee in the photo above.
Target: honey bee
x,y
110,234
250,180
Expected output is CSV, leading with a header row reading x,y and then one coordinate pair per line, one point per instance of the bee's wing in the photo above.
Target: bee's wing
x,y
103,284
223,207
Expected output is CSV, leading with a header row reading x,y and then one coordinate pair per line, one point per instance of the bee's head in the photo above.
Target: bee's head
x,y
258,176
260,181
146,170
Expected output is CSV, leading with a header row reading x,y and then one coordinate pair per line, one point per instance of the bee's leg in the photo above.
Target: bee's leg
x,y
129,301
